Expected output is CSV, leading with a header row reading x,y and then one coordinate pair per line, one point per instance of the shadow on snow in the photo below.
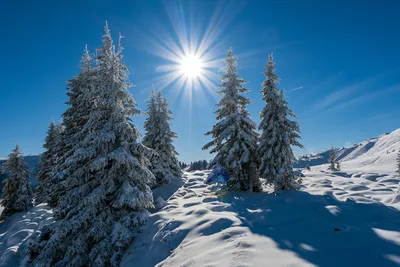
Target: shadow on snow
x,y
320,229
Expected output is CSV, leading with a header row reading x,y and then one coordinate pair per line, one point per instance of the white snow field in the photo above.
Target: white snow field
x,y
336,220
346,218
304,228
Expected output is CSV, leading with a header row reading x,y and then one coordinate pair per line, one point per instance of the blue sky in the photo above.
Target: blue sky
x,y
337,60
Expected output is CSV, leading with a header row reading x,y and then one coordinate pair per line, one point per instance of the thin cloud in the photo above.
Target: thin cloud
x,y
297,88
336,99
366,97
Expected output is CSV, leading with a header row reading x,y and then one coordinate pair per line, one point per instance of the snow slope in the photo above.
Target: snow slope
x,y
17,229
304,228
371,150
346,218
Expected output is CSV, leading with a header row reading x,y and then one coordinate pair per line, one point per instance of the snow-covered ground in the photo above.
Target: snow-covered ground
x,y
16,230
345,218
305,228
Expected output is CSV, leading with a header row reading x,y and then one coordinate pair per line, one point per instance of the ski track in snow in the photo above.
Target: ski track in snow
x,y
336,220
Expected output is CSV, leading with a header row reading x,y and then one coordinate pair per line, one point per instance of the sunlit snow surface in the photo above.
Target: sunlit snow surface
x,y
335,221
17,229
346,218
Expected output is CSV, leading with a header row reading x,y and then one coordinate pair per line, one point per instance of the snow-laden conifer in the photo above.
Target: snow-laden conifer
x,y
48,161
332,160
107,192
234,136
159,137
17,192
74,118
278,134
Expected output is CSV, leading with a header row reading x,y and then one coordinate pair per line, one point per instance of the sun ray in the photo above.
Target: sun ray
x,y
192,51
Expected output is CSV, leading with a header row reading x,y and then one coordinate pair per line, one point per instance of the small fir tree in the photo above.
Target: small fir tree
x,y
234,136
17,191
159,137
398,164
278,135
332,160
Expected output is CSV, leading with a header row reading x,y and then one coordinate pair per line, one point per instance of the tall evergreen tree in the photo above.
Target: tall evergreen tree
x,y
74,118
17,191
234,135
278,135
332,160
159,137
108,193
48,161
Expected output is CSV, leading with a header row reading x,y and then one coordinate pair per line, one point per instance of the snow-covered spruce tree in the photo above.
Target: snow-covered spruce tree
x,y
74,119
332,160
108,193
278,135
159,137
234,135
17,192
48,161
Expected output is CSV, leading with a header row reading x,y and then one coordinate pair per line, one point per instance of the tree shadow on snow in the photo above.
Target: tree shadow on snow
x,y
321,229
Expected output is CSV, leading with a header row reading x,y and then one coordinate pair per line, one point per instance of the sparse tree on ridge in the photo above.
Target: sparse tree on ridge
x,y
159,137
308,167
17,192
108,193
48,161
332,160
234,136
398,164
278,135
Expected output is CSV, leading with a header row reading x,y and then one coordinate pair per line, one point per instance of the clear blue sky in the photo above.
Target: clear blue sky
x,y
341,56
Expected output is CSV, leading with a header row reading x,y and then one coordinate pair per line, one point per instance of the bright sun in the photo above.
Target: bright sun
x,y
191,66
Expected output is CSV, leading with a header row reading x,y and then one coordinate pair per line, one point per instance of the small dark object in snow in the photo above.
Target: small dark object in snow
x,y
336,230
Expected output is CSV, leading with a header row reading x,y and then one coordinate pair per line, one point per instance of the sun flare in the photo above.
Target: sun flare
x,y
191,66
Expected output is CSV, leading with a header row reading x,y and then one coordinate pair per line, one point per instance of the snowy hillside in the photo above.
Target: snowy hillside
x,y
338,219
369,151
32,161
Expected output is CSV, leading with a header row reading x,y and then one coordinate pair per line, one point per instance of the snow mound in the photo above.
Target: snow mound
x,y
316,227
17,229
